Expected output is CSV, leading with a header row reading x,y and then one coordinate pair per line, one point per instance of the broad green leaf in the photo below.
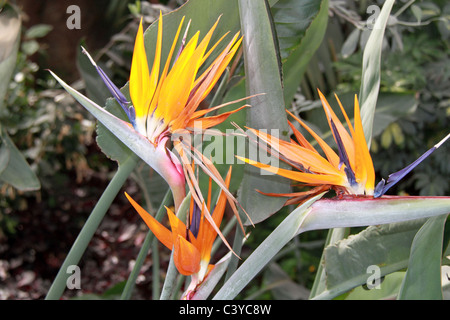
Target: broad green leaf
x,y
293,19
17,173
263,76
332,213
347,262
14,169
320,281
423,277
312,32
110,145
388,289
351,43
370,78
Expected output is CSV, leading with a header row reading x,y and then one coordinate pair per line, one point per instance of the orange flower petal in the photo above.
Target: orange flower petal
x,y
208,122
186,257
314,179
178,227
364,166
343,133
207,233
332,157
309,159
161,232
300,138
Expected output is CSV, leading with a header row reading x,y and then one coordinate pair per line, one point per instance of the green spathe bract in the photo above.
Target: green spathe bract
x,y
325,214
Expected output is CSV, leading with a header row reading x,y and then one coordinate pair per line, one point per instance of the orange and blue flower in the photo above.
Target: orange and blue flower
x,y
192,241
349,171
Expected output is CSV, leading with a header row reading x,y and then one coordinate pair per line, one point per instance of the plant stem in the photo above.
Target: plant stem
x,y
237,248
155,270
91,226
171,275
169,283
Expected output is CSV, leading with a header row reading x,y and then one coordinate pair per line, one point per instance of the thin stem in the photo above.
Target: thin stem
x,y
171,275
155,270
131,281
90,227
237,248
403,8
178,286
170,281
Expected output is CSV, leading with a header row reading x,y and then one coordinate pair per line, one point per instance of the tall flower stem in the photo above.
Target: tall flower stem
x,y
171,275
91,226
126,293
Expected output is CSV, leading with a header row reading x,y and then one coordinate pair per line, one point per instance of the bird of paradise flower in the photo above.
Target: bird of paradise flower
x,y
192,241
164,106
348,172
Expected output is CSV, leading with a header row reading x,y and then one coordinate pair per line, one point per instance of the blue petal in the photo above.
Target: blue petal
x,y
395,177
115,91
343,157
195,221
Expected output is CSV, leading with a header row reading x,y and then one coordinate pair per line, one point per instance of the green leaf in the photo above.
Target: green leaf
x,y
311,38
293,19
370,78
17,173
38,31
263,75
281,285
110,145
14,169
351,43
347,261
388,289
10,35
4,153
423,277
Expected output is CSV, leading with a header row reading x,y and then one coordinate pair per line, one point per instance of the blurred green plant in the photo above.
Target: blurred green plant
x,y
40,120
14,169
